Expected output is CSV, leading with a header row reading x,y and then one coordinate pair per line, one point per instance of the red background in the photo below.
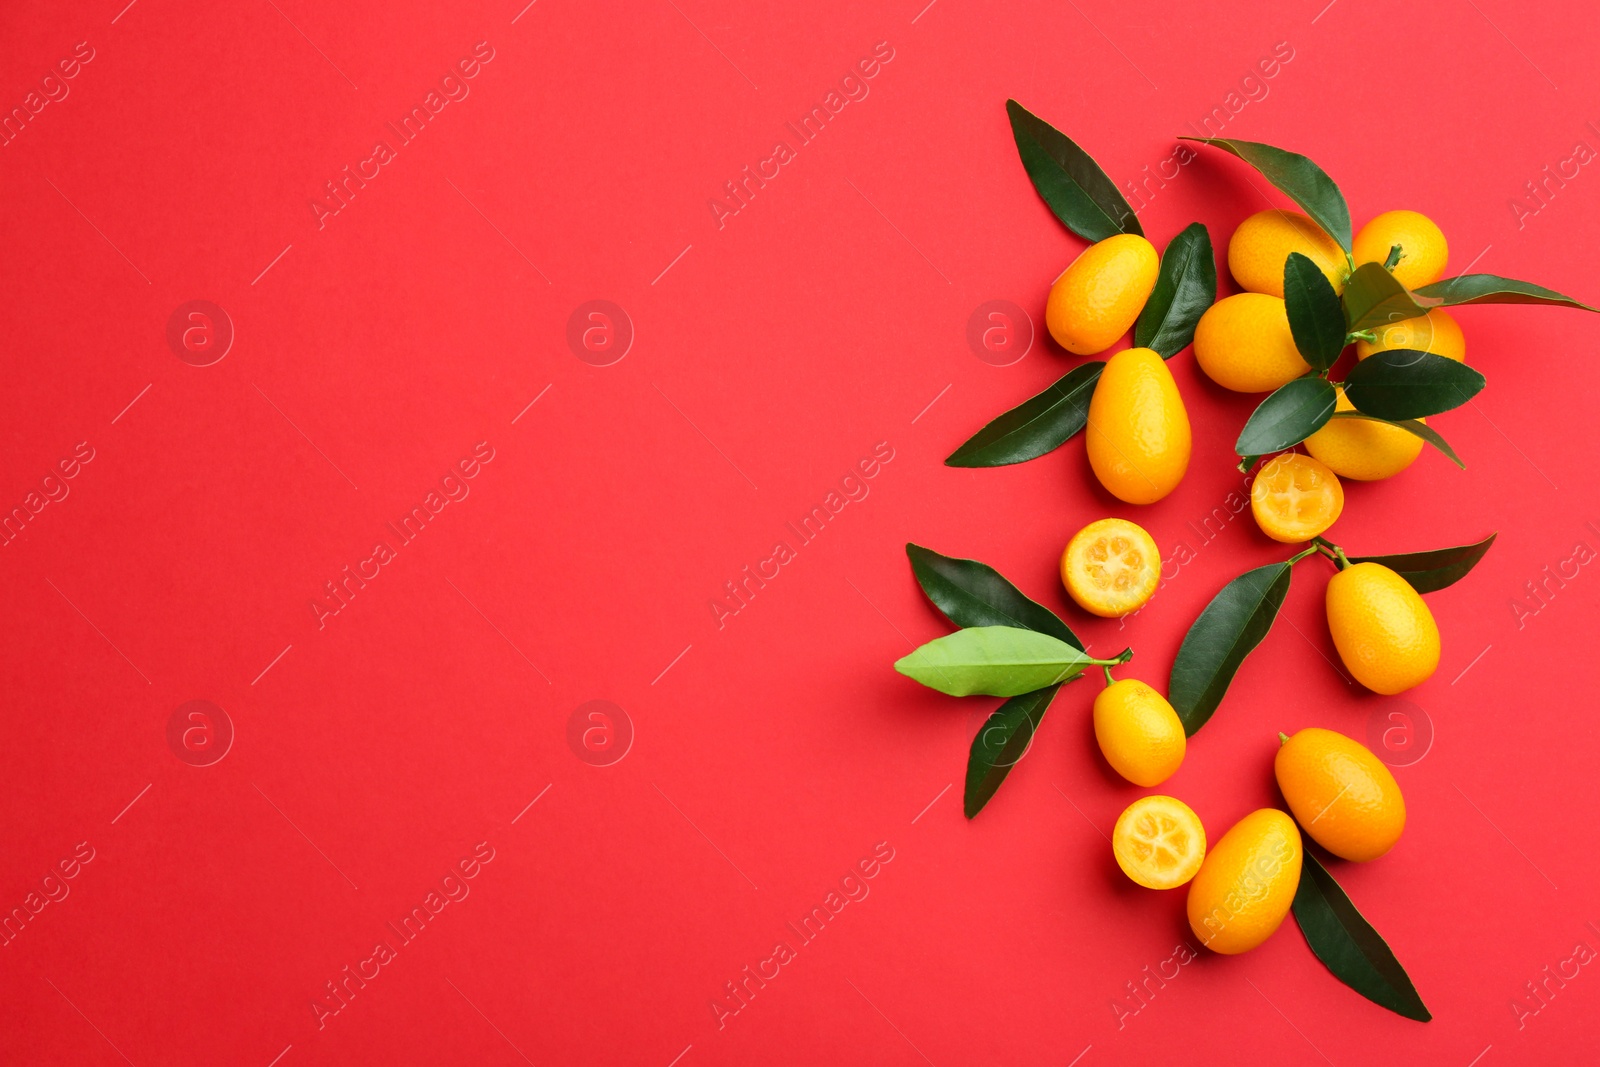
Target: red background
x,y
772,754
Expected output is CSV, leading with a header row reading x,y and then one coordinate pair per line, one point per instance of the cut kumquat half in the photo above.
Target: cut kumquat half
x,y
1295,498
1111,567
1159,842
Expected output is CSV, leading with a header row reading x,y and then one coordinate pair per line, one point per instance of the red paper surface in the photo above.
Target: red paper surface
x,y
439,722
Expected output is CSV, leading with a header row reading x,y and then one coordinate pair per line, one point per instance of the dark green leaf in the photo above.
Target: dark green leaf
x,y
1230,627
1404,384
970,593
1001,741
1290,415
1186,286
1373,297
1001,661
1489,289
1412,426
1081,194
1344,940
1430,571
1297,177
1315,318
1035,426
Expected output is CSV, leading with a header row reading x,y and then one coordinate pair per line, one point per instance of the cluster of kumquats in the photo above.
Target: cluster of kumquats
x,y
1138,442
1312,290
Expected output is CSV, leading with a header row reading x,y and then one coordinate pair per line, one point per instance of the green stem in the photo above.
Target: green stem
x,y
1331,550
1107,668
1361,335
1283,738
1298,556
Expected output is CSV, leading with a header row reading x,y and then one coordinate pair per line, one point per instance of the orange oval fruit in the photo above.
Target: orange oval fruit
x,y
1138,436
1100,294
1139,733
1383,630
1247,883
1261,243
1341,794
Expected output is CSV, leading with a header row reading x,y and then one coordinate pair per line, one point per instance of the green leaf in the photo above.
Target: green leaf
x,y
1315,318
1490,289
1186,286
1290,415
1431,571
1230,627
1344,940
1038,425
1002,661
1081,194
1374,297
1001,741
1402,384
970,593
1297,177
1412,426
